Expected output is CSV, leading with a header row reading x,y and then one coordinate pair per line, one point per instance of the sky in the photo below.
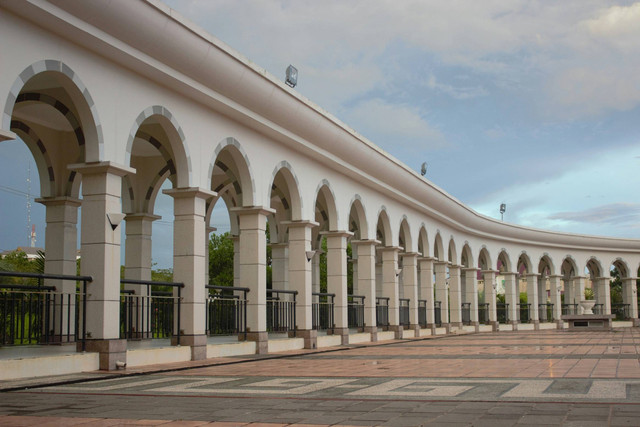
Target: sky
x,y
535,104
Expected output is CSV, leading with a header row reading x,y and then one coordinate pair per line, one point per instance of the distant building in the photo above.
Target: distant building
x,y
32,253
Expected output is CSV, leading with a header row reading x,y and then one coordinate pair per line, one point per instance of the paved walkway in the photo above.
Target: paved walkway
x,y
505,379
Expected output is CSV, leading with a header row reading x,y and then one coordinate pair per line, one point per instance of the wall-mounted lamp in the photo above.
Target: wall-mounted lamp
x,y
398,271
310,254
115,219
291,76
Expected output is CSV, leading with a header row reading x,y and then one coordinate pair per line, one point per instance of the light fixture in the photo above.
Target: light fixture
x,y
310,254
423,169
292,76
503,208
398,271
115,219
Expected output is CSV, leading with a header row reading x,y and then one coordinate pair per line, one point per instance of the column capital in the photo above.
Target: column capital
x,y
300,223
454,267
470,269
336,233
278,245
555,276
531,275
252,210
508,273
603,278
410,255
7,135
628,279
371,242
141,217
59,201
426,258
496,272
436,261
389,248
210,230
195,192
101,167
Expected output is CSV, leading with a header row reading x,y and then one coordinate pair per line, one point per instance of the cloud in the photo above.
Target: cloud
x,y
456,92
613,213
395,125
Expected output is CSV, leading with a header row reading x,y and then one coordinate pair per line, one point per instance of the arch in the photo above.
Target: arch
x,y
622,267
569,267
242,171
423,241
383,228
40,155
452,253
178,158
438,248
358,219
325,206
70,86
466,256
594,266
545,266
503,263
284,197
524,264
404,236
484,259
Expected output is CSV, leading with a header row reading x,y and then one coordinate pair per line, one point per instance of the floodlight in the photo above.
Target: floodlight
x,y
292,76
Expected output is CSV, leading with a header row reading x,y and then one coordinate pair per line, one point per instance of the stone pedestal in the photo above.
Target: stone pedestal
x,y
373,330
198,344
261,339
110,351
310,338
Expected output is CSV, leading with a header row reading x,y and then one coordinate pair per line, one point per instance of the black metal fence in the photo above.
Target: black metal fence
x,y
322,311
281,310
404,312
153,313
545,312
355,311
524,313
422,313
483,313
382,311
598,309
569,309
32,313
226,312
622,311
502,312
466,313
437,313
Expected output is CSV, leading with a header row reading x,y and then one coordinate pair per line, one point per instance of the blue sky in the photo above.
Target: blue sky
x,y
532,103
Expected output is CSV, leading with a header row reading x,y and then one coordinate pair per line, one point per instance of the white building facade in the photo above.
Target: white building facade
x,y
115,98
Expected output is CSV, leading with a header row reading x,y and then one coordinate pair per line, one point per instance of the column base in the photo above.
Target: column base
x,y
344,334
636,323
415,329
110,352
373,330
476,326
514,325
397,331
198,344
261,339
447,328
536,325
310,337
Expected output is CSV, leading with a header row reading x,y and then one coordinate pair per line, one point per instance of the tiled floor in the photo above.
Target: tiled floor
x,y
493,379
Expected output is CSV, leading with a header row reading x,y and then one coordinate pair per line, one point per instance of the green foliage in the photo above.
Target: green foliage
x,y
500,298
588,294
17,261
162,275
323,265
221,260
523,298
616,287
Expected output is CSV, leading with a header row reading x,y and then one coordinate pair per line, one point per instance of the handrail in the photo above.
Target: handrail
x,y
323,294
277,291
227,288
29,288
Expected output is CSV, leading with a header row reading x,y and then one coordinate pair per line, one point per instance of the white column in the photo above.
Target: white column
x,y
189,260
604,293
556,297
426,287
455,307
489,278
542,297
207,237
390,286
61,249
236,261
569,292
511,295
315,271
337,280
410,285
442,295
367,282
253,271
100,249
532,297
630,295
300,278
280,266
578,288
471,289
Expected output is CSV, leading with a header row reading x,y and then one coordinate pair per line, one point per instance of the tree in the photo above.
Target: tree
x,y
616,287
221,260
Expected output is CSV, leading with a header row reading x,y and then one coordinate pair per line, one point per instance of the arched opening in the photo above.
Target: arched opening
x,y
549,291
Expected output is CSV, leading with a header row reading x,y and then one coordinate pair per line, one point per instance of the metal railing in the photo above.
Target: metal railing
x,y
569,309
382,311
39,314
621,311
422,313
502,312
322,311
355,311
152,314
404,312
545,312
226,312
465,313
281,311
524,313
483,313
437,313
598,309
